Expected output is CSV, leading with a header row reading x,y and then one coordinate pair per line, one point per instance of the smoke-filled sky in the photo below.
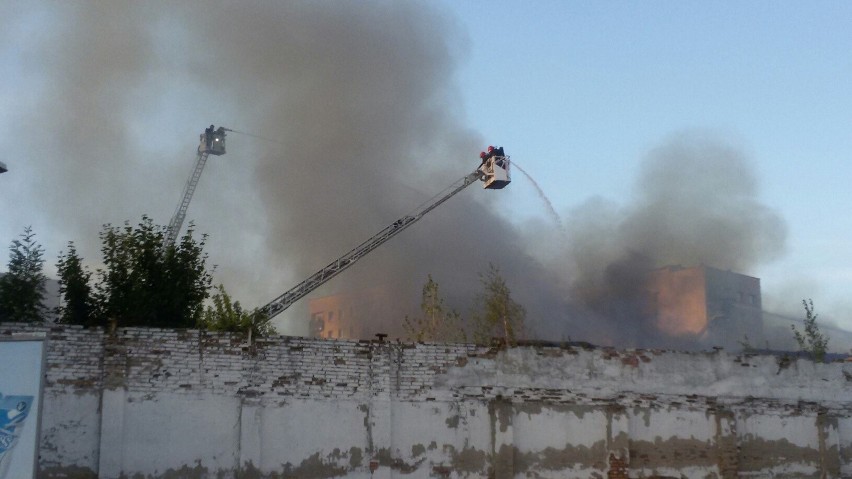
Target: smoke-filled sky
x,y
662,134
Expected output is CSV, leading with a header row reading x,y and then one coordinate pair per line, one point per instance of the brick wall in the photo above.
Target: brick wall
x,y
208,405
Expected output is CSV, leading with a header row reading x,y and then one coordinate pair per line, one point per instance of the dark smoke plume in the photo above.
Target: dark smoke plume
x,y
695,203
360,96
107,99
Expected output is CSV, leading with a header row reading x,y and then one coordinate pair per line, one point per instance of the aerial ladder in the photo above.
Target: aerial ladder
x,y
212,142
493,172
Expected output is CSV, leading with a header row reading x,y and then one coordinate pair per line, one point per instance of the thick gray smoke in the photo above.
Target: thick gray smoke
x,y
107,99
359,99
695,203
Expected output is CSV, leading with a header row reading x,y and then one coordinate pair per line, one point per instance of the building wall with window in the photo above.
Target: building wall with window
x,y
346,315
717,307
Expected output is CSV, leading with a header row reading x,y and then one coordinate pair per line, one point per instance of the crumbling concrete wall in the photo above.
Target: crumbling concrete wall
x,y
150,403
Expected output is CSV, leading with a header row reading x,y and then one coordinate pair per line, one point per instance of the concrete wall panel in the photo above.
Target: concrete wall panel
x,y
670,442
780,445
560,440
844,428
70,434
179,432
306,438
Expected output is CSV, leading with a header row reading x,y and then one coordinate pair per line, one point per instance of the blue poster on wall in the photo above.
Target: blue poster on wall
x,y
13,411
21,370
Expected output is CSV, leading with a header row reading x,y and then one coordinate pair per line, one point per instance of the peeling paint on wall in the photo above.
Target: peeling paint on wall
x,y
566,459
758,454
207,407
314,467
672,453
468,459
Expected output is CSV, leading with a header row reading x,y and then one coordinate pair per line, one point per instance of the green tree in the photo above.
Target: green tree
x,y
22,287
811,340
497,315
145,284
78,304
227,315
437,324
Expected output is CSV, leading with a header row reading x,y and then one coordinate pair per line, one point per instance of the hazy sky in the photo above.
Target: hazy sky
x,y
580,94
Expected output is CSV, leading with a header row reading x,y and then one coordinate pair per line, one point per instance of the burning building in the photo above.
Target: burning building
x,y
712,306
330,317
348,315
682,306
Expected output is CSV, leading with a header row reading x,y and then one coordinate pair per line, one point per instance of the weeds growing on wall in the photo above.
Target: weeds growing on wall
x,y
811,340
